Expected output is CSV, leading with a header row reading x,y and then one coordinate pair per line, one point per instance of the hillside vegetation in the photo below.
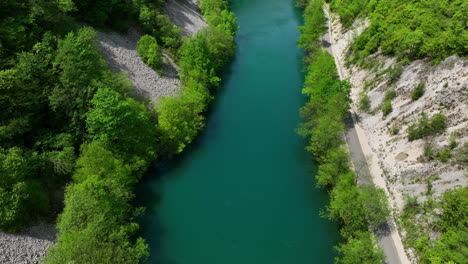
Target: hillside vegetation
x,y
357,209
67,120
402,66
408,30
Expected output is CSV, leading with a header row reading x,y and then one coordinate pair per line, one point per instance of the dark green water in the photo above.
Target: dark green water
x,y
244,193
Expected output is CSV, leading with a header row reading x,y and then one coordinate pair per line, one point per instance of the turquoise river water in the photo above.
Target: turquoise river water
x,y
245,193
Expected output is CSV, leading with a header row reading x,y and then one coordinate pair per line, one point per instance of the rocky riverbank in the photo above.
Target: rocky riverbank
x,y
27,246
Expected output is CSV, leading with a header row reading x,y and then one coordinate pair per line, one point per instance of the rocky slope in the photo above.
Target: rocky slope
x,y
406,168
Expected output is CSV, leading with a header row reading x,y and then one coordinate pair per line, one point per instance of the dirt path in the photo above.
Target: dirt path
x,y
368,172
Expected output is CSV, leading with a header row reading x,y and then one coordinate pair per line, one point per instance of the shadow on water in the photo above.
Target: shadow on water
x,y
149,197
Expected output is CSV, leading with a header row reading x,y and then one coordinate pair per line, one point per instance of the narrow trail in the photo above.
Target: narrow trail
x,y
389,238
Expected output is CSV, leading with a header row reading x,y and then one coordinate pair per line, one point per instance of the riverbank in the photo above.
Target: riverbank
x,y
389,237
28,245
32,243
405,168
244,192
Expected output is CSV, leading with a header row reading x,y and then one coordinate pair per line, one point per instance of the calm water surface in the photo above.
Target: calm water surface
x,y
245,193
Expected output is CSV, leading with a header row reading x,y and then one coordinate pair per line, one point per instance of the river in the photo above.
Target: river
x,y
245,193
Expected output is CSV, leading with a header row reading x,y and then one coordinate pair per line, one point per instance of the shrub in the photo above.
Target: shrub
x,y
98,224
389,95
418,91
148,49
364,102
444,155
386,107
426,127
394,73
360,249
429,150
376,206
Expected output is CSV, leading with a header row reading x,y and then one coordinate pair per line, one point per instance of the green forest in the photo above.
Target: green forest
x,y
73,142
409,30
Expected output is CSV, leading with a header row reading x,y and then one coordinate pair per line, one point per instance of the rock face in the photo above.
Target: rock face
x,y
27,246
406,168
120,53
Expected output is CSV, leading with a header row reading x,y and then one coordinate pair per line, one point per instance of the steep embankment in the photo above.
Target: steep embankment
x,y
445,92
389,238
388,108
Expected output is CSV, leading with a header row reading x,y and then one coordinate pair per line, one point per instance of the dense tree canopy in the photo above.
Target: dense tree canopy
x,y
408,29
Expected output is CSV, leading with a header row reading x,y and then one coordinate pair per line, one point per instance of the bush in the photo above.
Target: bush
x,y
426,127
429,150
376,206
409,30
386,107
21,196
418,91
444,155
364,102
389,95
454,204
361,249
148,49
97,224
123,126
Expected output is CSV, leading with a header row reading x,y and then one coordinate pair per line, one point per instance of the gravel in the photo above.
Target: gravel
x,y
120,53
186,15
27,246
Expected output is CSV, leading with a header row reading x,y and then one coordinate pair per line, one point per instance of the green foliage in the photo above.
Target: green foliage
x,y
364,102
149,51
407,29
21,195
23,23
390,94
314,26
200,59
426,127
347,207
444,155
361,249
220,46
97,224
327,106
455,209
79,66
348,10
159,26
386,107
123,126
195,62
452,245
179,121
376,207
332,167
418,91
218,16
